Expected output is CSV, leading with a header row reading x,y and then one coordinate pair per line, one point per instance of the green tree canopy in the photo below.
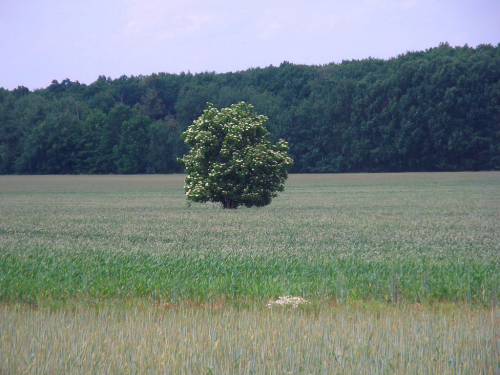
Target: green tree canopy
x,y
231,161
432,110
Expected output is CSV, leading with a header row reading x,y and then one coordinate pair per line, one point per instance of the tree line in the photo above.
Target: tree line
x,y
432,110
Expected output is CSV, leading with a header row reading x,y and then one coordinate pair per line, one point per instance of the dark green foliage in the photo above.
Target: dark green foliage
x,y
50,147
433,110
129,153
164,143
88,147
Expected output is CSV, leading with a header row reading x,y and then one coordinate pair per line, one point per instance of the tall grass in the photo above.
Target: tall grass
x,y
117,275
412,237
116,339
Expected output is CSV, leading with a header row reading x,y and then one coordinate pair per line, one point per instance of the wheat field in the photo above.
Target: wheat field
x,y
117,274
143,339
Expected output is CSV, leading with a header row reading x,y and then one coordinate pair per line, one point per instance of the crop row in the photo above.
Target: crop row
x,y
219,276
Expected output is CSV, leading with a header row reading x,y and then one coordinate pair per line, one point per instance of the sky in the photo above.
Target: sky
x,y
82,39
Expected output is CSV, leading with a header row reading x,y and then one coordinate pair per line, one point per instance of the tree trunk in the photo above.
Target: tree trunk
x,y
229,203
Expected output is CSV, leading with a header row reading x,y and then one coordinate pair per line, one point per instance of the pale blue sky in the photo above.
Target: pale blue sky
x,y
42,40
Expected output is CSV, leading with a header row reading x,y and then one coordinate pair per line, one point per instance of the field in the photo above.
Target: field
x,y
402,272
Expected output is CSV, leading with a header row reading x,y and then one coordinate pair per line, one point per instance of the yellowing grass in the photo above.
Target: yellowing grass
x,y
138,340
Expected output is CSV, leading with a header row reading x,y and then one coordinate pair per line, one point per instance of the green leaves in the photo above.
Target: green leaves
x,y
231,161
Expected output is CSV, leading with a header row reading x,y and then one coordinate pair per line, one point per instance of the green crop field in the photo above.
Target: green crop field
x,y
402,272
414,237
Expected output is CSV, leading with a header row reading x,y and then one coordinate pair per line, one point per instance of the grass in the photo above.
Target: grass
x,y
413,237
116,274
140,339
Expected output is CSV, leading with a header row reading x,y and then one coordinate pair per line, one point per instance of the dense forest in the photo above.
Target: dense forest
x,y
434,110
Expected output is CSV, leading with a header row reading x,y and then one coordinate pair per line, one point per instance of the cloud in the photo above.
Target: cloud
x,y
49,40
160,20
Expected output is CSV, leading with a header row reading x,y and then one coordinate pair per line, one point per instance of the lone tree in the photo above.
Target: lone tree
x,y
231,161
